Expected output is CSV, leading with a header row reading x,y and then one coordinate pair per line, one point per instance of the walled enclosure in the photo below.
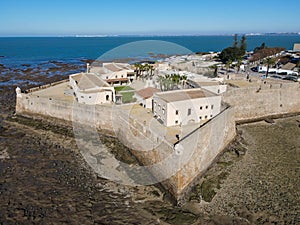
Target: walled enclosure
x,y
209,140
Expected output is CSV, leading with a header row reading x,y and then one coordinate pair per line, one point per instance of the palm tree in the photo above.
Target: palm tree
x,y
239,63
184,80
215,69
228,64
137,70
269,62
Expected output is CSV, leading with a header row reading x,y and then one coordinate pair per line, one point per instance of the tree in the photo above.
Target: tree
x,y
269,62
228,64
238,64
265,52
137,70
262,46
235,52
243,45
230,54
235,42
215,68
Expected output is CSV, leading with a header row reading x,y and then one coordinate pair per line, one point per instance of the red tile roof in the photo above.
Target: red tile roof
x,y
147,92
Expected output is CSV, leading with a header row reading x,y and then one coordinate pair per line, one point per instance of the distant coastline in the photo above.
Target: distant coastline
x,y
154,35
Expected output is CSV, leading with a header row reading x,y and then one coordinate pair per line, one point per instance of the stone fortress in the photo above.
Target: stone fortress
x,y
196,143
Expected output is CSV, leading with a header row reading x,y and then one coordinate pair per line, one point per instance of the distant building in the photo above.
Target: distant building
x,y
296,47
182,107
115,74
144,96
90,89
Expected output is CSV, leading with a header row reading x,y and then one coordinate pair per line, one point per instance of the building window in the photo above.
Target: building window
x,y
90,96
212,106
106,77
206,107
189,112
200,107
176,121
176,112
218,91
210,116
200,117
163,111
116,76
205,117
82,97
122,76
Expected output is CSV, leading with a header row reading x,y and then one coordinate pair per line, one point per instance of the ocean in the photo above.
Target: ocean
x,y
20,50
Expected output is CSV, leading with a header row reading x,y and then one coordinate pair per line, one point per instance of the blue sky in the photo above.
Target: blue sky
x,y
70,17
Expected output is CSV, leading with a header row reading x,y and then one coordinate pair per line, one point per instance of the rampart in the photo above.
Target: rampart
x,y
264,100
195,152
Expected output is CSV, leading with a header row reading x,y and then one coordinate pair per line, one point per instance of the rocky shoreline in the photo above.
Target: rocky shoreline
x,y
45,179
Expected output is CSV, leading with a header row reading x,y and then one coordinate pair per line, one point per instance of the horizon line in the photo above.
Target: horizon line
x,y
152,35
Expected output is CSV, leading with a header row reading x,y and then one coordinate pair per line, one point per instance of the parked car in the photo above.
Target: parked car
x,y
293,78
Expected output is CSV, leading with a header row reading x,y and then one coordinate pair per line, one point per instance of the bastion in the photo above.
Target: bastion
x,y
193,152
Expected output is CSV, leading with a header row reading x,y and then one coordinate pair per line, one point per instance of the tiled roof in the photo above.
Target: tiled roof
x,y
147,92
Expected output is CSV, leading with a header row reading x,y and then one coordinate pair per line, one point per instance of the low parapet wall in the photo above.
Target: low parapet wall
x,y
66,110
45,86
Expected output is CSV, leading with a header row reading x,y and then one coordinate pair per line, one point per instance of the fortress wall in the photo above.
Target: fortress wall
x,y
264,100
196,153
210,141
100,115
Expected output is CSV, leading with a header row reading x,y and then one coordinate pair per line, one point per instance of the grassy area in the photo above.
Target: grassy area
x,y
123,88
128,97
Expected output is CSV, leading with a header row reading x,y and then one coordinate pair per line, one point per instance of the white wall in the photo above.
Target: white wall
x,y
95,97
200,109
217,89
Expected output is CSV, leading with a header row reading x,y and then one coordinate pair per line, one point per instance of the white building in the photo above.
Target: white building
x,y
213,86
144,96
182,107
263,69
91,89
115,74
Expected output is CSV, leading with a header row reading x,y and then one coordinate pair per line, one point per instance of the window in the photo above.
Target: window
x,y
200,117
206,107
218,91
200,107
205,117
212,106
106,77
176,112
210,116
163,111
90,96
176,121
122,76
189,112
116,76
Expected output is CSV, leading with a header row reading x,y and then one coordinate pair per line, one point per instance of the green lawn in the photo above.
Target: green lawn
x,y
128,97
123,88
